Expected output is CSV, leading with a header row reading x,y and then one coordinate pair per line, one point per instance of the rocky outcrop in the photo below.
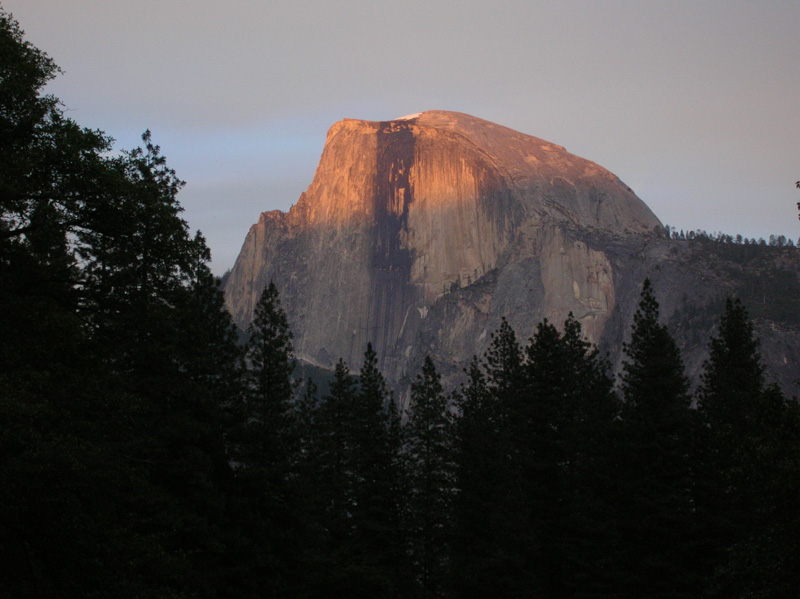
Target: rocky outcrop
x,y
421,233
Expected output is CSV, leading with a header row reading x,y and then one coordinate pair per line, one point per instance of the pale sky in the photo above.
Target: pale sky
x,y
695,105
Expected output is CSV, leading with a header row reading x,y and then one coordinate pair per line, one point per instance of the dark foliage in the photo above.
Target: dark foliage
x,y
750,460
118,366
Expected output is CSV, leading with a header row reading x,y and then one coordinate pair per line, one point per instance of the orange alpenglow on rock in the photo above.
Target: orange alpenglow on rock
x,y
420,233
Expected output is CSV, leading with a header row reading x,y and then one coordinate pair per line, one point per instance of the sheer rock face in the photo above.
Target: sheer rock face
x,y
421,233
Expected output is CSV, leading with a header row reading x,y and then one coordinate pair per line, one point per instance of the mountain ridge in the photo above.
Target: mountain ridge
x,y
403,215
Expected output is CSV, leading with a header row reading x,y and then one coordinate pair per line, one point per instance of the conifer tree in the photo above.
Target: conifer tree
x,y
375,514
431,484
485,554
732,376
270,358
399,492
655,470
335,452
750,466
496,415
590,416
265,450
332,484
653,382
503,364
570,409
729,401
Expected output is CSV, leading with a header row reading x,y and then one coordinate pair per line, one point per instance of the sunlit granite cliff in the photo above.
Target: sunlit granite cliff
x,y
419,234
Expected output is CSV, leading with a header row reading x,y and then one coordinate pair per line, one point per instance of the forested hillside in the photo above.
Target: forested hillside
x,y
145,452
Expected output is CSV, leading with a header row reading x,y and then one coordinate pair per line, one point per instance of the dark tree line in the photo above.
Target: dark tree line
x,y
145,453
725,238
539,477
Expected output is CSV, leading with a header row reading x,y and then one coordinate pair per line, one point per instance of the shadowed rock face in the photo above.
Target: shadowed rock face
x,y
405,217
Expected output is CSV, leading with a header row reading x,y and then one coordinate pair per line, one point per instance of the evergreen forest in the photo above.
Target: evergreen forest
x,y
146,452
